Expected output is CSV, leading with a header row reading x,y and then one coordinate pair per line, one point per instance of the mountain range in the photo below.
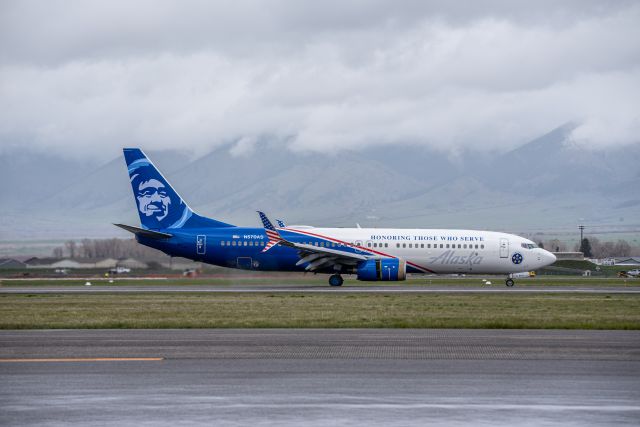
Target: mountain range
x,y
548,183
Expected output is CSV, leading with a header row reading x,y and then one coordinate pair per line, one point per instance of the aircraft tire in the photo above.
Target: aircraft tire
x,y
336,280
509,282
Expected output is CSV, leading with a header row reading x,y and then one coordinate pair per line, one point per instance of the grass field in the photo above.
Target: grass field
x,y
255,310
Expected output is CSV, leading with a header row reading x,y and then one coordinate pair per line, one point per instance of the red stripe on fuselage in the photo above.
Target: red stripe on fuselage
x,y
358,247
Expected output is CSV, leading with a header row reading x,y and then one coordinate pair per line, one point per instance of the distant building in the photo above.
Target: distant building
x,y
131,263
36,262
569,256
627,261
67,263
7,263
105,263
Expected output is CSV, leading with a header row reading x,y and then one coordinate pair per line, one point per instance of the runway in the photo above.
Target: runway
x,y
320,377
100,287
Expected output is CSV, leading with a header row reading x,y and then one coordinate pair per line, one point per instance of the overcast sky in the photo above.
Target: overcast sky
x,y
91,77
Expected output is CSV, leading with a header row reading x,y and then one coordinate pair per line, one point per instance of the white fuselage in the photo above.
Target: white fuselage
x,y
437,250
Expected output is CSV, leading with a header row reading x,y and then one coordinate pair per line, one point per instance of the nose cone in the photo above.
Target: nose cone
x,y
549,258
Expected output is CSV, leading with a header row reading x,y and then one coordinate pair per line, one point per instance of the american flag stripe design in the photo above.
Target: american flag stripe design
x,y
274,239
273,235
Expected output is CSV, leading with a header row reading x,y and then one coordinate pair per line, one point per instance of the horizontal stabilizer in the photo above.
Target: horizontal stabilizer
x,y
145,233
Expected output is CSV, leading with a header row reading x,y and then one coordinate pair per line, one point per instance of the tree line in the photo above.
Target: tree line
x,y
93,249
594,248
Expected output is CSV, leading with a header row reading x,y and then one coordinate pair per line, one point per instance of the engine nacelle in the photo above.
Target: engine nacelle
x,y
387,269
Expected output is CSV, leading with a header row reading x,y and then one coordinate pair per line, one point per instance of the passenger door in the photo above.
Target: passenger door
x,y
504,248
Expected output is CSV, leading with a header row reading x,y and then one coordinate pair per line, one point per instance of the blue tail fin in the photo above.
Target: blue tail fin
x,y
159,206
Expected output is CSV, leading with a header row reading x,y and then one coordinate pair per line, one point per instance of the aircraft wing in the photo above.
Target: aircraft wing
x,y
317,257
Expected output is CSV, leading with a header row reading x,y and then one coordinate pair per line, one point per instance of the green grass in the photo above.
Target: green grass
x,y
340,310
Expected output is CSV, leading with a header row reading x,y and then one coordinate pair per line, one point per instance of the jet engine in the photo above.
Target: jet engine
x,y
386,269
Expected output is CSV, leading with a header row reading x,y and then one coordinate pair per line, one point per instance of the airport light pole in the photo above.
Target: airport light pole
x,y
581,227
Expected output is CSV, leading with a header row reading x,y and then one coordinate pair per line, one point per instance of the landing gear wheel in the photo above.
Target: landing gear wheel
x,y
336,280
509,282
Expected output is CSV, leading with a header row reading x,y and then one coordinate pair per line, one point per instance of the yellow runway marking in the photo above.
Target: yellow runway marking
x,y
86,359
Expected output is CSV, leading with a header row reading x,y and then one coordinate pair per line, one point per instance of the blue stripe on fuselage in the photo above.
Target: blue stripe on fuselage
x,y
240,242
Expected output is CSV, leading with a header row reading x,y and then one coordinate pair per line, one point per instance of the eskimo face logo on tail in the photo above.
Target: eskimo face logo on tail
x,y
159,205
153,199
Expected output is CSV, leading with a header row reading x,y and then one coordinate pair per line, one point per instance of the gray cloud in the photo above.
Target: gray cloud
x,y
91,77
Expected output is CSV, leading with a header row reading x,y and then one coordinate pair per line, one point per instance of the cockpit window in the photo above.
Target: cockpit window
x,y
528,245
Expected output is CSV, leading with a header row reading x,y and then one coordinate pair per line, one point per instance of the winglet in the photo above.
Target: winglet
x,y
265,221
280,223
272,233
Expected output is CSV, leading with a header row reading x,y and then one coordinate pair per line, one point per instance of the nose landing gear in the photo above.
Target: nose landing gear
x,y
509,282
336,280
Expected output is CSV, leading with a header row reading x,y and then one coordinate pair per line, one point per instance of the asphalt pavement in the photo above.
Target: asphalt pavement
x,y
102,287
319,377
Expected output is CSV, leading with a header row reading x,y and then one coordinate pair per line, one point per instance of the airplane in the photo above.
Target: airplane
x,y
371,254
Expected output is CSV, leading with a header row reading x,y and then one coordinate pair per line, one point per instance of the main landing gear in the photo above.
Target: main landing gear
x,y
509,282
336,280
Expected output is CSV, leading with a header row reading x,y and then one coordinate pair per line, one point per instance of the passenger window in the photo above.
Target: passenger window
x,y
481,246
397,245
428,245
447,246
233,243
369,244
404,245
222,243
421,245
